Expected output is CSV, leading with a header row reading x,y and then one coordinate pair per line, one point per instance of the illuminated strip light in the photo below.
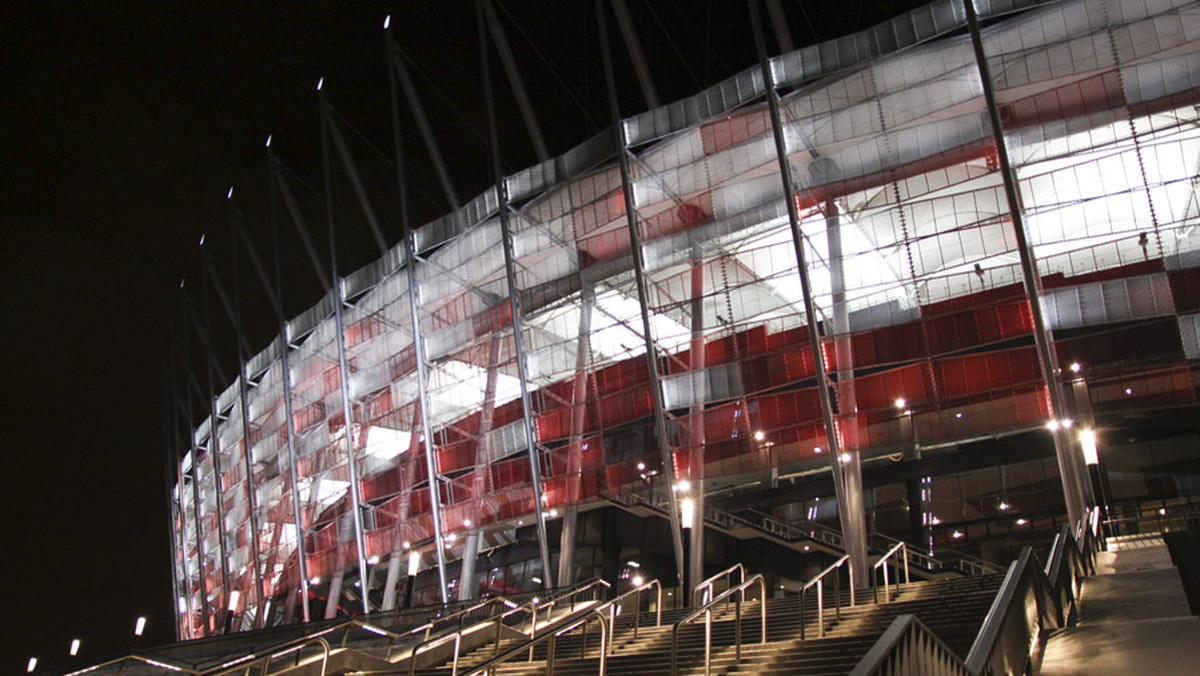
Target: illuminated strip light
x,y
289,651
375,630
161,665
230,663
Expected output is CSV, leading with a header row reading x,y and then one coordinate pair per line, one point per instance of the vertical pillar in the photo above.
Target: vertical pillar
x,y
410,262
660,423
244,408
339,300
435,505
285,384
1068,463
214,442
570,520
466,580
696,438
515,309
393,578
853,529
851,510
201,567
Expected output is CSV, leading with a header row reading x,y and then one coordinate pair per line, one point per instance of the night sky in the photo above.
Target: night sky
x,y
123,126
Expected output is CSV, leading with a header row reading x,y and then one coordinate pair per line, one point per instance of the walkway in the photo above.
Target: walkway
x,y
1134,618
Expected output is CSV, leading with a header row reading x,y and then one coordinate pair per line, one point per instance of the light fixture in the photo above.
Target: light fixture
x,y
74,648
683,485
637,580
845,458
234,597
759,435
387,21
900,403
1022,522
315,580
467,523
535,579
320,83
553,513
32,665
1003,506
687,512
958,415
414,563
817,450
1075,367
182,605
1052,425
641,466
139,626
1128,391
406,544
956,534
633,564
1087,439
373,560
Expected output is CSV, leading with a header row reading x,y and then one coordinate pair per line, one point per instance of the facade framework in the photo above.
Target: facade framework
x,y
508,365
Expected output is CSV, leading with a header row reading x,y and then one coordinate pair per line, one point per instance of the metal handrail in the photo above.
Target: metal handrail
x,y
604,612
900,547
818,581
707,585
706,611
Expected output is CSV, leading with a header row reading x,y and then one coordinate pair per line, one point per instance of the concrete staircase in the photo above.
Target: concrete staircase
x,y
954,608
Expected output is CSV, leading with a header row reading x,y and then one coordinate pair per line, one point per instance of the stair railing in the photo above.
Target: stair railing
x,y
819,582
705,611
603,613
707,585
532,608
902,549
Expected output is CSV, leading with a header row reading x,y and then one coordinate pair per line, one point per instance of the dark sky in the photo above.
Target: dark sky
x,y
123,125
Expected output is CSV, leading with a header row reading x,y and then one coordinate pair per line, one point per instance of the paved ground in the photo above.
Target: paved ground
x,y
1134,619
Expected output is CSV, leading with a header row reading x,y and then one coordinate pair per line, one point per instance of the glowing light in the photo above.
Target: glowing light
x,y
683,485
1003,506
759,435
467,523
535,579
139,626
817,450
637,580
641,466
553,513
1067,423
320,83
32,665
1162,511
1128,391
845,458
407,544
315,580
387,21
229,195
182,605
1075,367
373,560
633,564
268,140
74,648
1052,425
687,512
900,403
414,563
958,415
1022,522
1087,439
934,520
234,597
956,534
202,239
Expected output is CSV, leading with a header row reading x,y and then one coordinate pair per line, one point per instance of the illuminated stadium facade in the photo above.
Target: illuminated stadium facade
x,y
651,279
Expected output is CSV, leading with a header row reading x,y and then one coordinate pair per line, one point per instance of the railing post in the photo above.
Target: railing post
x,y
803,621
821,608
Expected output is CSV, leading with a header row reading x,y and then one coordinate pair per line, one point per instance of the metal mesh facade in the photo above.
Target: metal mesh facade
x,y
915,278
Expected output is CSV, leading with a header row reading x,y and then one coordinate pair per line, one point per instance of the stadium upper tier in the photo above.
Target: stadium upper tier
x,y
915,274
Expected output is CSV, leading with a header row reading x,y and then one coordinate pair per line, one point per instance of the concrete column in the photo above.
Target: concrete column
x,y
696,422
466,581
395,563
570,520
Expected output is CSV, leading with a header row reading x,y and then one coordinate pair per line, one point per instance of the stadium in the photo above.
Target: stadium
x,y
932,281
